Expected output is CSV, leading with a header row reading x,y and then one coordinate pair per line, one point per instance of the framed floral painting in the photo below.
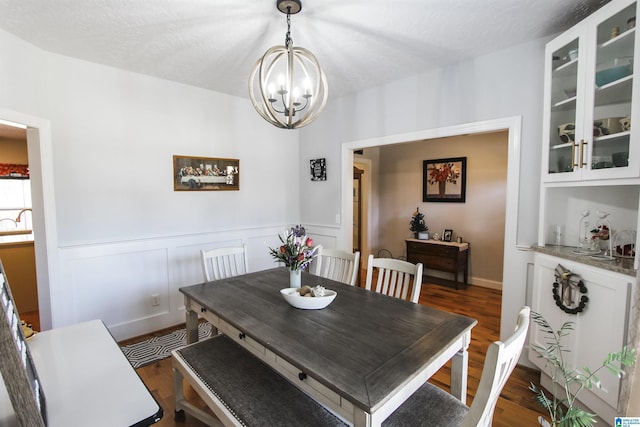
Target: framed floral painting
x,y
444,180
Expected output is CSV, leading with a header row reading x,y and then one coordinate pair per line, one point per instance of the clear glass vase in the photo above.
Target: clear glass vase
x,y
294,278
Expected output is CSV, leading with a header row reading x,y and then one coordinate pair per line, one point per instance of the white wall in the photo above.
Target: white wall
x,y
503,84
121,232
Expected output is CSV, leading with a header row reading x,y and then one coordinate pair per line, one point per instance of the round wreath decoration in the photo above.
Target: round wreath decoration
x,y
564,278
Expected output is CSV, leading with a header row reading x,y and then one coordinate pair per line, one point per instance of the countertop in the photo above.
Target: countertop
x,y
619,265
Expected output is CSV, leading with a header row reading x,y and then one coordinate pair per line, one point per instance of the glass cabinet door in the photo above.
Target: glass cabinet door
x,y
611,83
562,96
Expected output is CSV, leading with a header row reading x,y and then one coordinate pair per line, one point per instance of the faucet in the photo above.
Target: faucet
x,y
20,214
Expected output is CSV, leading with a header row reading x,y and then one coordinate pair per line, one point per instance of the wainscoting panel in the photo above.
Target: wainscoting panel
x,y
118,288
118,282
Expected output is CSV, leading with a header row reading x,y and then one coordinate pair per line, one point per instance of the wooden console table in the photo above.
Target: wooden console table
x,y
450,257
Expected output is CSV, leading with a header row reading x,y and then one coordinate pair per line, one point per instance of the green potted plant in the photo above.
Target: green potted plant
x,y
418,226
568,383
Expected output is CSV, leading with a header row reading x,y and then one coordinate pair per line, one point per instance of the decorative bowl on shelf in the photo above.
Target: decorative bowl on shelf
x,y
293,297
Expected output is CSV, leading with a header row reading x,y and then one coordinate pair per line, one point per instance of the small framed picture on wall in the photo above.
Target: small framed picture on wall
x,y
318,169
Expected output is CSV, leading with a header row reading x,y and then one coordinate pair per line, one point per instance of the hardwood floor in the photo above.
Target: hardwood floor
x,y
516,406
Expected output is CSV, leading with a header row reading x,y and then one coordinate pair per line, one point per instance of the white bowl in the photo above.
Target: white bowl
x,y
292,296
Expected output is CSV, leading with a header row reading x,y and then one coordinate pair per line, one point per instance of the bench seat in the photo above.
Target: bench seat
x,y
240,389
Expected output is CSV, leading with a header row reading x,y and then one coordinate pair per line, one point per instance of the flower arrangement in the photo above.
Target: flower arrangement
x,y
296,251
443,172
417,224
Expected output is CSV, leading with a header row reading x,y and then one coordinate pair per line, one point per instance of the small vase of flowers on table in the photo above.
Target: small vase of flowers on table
x,y
418,226
296,252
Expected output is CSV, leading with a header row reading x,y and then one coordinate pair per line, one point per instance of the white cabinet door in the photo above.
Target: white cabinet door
x,y
599,329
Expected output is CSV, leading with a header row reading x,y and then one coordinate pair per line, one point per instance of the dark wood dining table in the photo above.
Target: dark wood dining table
x,y
361,357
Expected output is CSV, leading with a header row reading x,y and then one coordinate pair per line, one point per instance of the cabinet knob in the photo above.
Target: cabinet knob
x,y
302,376
241,335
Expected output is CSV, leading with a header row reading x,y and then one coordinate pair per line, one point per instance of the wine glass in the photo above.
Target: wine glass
x,y
583,238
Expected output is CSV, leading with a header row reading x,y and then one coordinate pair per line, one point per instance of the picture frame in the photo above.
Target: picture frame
x,y
318,168
447,235
444,180
205,174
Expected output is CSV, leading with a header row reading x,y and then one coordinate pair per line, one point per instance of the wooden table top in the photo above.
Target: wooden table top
x,y
364,345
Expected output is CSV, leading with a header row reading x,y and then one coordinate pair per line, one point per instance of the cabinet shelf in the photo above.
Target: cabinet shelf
x,y
616,92
560,146
612,137
616,47
566,69
565,104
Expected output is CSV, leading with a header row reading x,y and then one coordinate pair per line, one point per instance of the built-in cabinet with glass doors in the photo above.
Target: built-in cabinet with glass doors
x,y
590,184
590,99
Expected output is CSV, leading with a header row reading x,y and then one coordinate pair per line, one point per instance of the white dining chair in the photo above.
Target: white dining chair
x,y
432,406
221,263
338,265
395,278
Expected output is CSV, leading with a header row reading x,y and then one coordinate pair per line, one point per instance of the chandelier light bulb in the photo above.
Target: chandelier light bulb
x,y
272,90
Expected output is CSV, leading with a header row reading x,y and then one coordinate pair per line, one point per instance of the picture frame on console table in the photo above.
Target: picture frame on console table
x,y
444,180
205,174
447,235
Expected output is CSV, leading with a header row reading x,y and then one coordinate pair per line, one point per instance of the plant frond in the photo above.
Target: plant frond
x,y
576,417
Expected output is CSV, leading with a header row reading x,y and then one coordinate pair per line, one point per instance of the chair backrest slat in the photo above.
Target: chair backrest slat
x,y
221,263
338,265
395,278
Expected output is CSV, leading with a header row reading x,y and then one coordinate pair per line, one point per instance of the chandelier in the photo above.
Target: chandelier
x,y
287,86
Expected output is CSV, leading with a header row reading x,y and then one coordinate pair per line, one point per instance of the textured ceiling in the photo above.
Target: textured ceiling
x,y
214,43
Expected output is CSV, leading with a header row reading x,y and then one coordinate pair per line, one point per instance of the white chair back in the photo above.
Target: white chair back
x,y
394,278
221,263
500,361
338,265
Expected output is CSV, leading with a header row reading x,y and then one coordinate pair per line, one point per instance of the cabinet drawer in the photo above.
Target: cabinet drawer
x,y
432,249
432,261
293,372
241,338
204,313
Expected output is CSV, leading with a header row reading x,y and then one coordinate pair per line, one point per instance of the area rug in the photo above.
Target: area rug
x,y
160,347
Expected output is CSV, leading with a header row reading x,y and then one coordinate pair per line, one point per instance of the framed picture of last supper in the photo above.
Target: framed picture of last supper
x,y
205,174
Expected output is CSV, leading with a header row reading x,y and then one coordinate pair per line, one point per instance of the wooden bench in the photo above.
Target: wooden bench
x,y
240,389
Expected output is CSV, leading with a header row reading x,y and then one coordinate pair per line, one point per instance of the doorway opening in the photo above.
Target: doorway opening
x,y
16,227
40,160
512,125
